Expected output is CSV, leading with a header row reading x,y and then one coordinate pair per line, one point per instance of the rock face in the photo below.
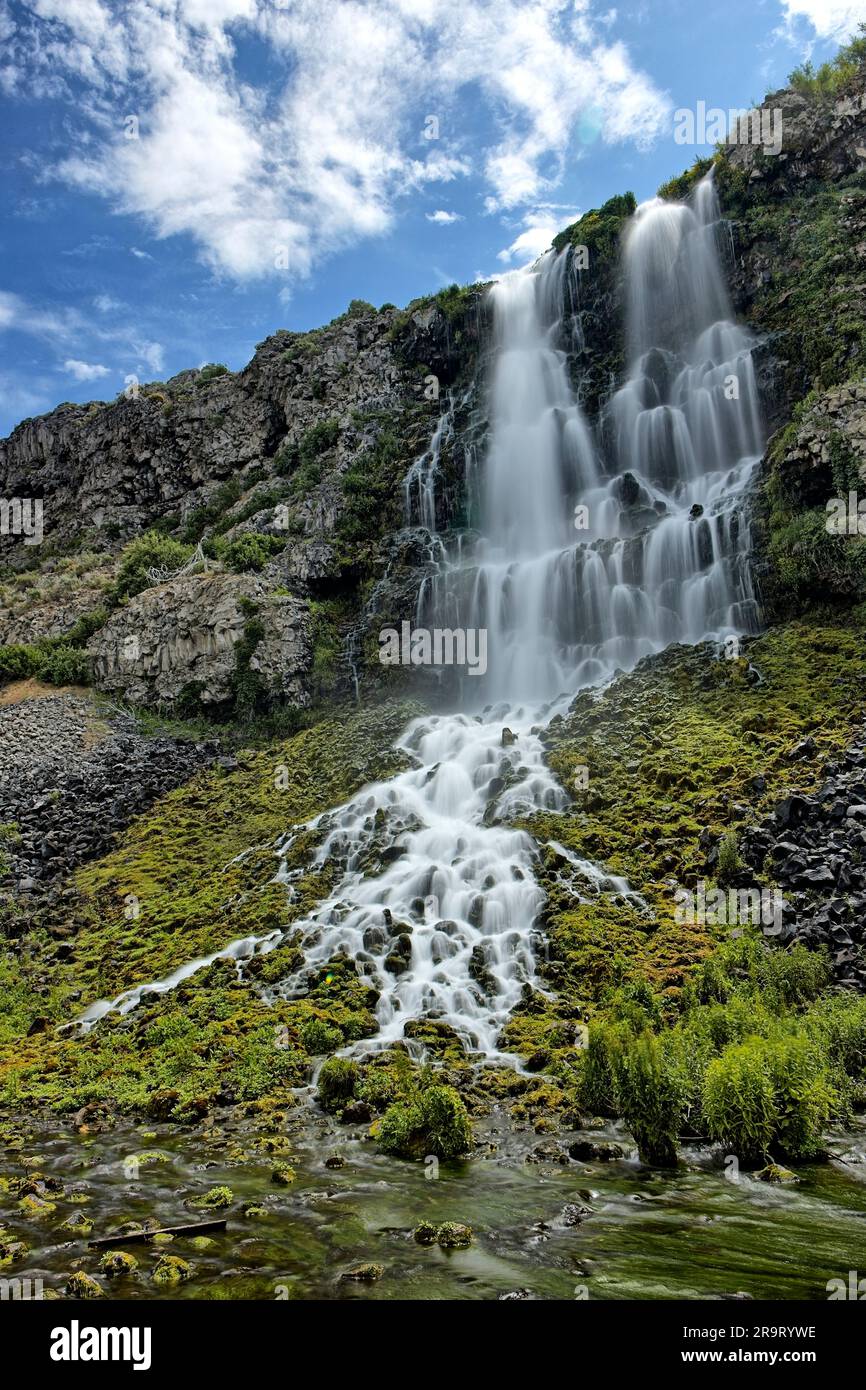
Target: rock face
x,y
108,471
303,454
184,636
820,139
824,453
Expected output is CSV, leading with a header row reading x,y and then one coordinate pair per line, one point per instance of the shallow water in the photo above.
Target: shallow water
x,y
692,1234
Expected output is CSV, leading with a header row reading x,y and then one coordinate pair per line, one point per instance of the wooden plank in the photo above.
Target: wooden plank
x,y
189,1228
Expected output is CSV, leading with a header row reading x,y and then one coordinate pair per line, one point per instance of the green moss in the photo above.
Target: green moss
x,y
117,1264
215,1200
679,187
80,1285
201,866
171,1269
599,230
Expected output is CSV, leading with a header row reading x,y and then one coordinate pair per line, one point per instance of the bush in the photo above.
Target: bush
x,y
153,550
54,660
251,552
768,1092
337,1081
436,1122
835,75
738,1102
64,665
729,859
597,1092
652,1099
318,1037
210,370
838,1026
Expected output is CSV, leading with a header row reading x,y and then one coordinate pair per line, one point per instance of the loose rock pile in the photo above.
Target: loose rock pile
x,y
69,783
814,848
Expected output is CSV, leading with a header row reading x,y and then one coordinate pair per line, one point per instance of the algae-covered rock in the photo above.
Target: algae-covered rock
x,y
775,1173
171,1269
77,1225
283,1175
37,1207
425,1233
454,1235
217,1199
80,1285
115,1264
363,1274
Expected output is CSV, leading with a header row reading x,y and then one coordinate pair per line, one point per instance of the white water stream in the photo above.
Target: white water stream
x,y
445,929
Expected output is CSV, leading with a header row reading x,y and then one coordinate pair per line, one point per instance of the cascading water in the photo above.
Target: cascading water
x,y
589,563
441,924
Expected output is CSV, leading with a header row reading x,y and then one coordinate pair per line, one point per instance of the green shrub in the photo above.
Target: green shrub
x,y
599,229
153,550
318,1037
768,1092
370,489
250,552
219,502
436,1122
835,75
838,1026
64,665
729,859
597,1091
804,1098
54,660
652,1099
210,370
337,1081
739,1103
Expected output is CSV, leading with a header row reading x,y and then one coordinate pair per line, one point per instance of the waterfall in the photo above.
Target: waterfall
x,y
592,558
592,552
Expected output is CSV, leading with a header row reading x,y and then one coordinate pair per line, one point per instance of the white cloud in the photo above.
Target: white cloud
x,y
443,218
84,371
830,19
140,255
540,227
74,330
264,176
105,304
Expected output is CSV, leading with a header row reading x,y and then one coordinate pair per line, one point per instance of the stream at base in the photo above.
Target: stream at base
x,y
541,1229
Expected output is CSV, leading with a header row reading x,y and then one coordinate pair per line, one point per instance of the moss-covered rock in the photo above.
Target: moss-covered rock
x,y
171,1269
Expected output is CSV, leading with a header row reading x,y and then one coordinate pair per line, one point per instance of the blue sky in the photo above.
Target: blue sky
x,y
183,177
